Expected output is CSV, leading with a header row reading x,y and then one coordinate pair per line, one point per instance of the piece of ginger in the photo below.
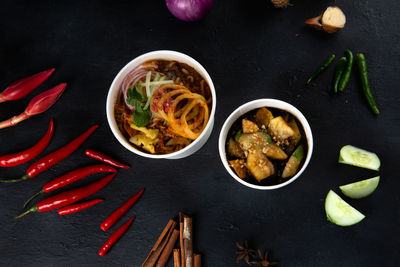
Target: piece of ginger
x,y
331,20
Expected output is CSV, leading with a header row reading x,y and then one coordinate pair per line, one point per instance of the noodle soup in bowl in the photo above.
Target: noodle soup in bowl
x,y
162,105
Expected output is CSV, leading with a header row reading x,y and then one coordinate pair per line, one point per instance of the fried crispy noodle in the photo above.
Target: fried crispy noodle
x,y
187,113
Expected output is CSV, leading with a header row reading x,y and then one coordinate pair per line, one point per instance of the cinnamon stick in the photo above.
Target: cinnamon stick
x,y
197,260
177,258
162,241
162,261
181,239
188,241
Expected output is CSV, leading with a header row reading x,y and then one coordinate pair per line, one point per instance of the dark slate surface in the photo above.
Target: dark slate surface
x,y
251,51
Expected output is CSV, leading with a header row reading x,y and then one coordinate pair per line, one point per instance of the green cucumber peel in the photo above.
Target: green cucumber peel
x,y
355,156
238,135
299,153
269,138
340,212
361,188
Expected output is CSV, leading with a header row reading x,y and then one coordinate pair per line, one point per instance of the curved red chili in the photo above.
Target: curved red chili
x,y
75,175
117,214
115,237
30,153
71,177
23,87
68,197
104,158
53,158
78,207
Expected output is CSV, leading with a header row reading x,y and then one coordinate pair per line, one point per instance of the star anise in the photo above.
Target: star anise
x,y
263,260
244,252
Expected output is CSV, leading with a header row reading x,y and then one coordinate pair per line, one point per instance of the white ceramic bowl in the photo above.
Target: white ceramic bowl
x,y
259,103
115,88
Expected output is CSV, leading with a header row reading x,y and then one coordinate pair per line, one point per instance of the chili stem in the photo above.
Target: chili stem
x,y
32,197
14,120
25,177
33,209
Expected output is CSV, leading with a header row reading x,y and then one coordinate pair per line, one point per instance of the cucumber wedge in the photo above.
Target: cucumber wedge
x,y
339,212
359,157
360,189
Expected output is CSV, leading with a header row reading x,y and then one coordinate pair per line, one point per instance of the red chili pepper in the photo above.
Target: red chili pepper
x,y
23,87
53,158
37,105
71,177
30,153
68,197
78,207
115,237
104,158
117,214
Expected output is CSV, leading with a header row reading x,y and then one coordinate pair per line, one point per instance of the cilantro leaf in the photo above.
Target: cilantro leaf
x,y
139,92
130,92
141,117
134,103
134,97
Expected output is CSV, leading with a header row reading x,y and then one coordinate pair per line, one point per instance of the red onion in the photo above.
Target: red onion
x,y
189,10
133,77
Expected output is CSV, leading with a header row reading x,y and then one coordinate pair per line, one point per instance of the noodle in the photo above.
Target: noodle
x,y
179,120
178,98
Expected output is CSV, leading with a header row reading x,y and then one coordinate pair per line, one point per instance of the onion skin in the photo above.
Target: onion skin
x,y
189,10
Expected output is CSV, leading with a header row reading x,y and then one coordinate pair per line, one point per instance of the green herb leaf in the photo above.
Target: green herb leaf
x,y
130,92
299,153
134,96
134,103
141,117
138,93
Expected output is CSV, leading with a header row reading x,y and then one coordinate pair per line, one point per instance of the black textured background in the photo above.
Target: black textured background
x,y
251,51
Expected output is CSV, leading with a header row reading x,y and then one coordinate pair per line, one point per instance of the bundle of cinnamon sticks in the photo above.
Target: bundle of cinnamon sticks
x,y
183,256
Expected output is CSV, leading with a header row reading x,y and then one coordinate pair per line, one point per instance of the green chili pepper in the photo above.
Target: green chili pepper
x,y
338,73
344,80
322,68
362,67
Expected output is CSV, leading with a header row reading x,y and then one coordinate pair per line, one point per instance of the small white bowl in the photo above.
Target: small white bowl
x,y
259,103
115,88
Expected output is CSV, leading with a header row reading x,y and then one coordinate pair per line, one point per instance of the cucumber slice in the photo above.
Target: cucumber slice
x,y
339,212
359,157
360,189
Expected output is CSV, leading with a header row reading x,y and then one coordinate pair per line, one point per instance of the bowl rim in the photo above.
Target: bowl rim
x,y
249,106
158,54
